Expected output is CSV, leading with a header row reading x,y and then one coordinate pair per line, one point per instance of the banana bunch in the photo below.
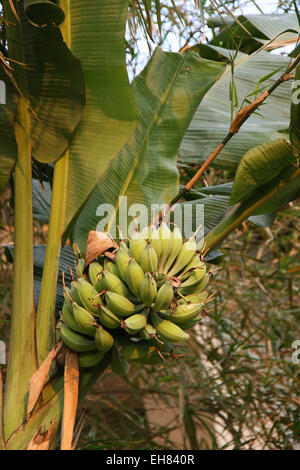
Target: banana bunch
x,y
137,307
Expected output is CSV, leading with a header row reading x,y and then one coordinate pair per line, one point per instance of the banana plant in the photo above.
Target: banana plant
x,y
70,104
60,51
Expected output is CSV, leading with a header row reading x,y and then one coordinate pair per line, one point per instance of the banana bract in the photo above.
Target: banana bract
x,y
138,304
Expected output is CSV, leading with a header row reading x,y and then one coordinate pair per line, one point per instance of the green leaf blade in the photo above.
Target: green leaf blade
x,y
166,93
211,121
109,117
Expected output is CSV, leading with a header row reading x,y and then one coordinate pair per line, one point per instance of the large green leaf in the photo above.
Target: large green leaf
x,y
259,166
166,93
97,32
214,209
94,31
211,121
49,77
216,203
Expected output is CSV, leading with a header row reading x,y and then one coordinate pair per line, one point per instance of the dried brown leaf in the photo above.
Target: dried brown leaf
x,y
97,243
40,377
70,399
42,439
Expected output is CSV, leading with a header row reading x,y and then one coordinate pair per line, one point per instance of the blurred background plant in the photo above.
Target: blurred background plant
x,y
236,386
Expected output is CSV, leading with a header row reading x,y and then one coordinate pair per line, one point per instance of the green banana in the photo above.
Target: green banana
x,y
155,240
84,319
195,263
191,323
99,285
119,364
168,330
197,286
103,339
120,305
166,244
89,297
182,313
111,267
114,284
124,246
108,318
186,254
193,281
148,332
80,267
134,294
90,358
134,276
203,284
195,298
95,270
148,259
76,341
122,258
74,293
68,317
67,296
176,242
164,297
135,323
137,245
148,290
57,331
137,350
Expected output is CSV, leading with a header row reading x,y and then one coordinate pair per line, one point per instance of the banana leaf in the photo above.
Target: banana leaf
x,y
50,78
66,260
166,93
96,31
212,119
41,200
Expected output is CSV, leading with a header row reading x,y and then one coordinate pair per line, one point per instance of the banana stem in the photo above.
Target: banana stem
x,y
22,354
45,328
50,414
